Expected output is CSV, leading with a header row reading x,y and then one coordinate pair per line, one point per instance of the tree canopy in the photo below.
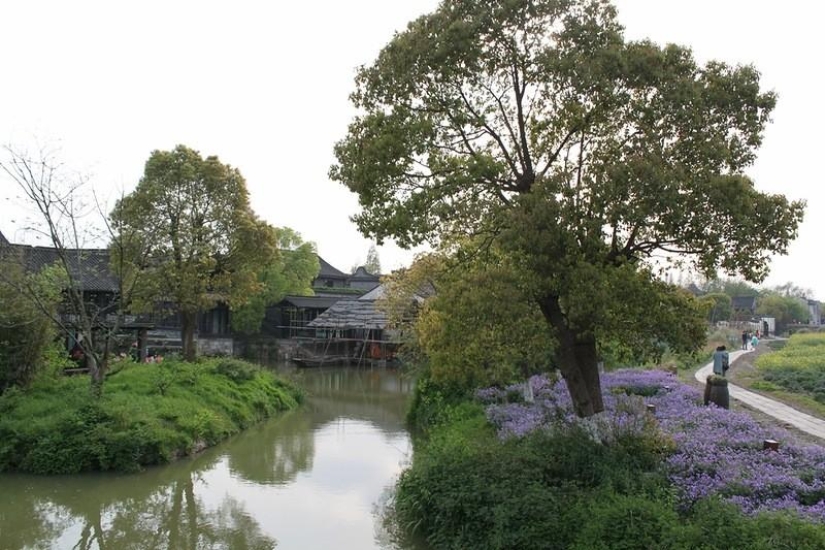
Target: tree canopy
x,y
588,158
201,241
289,271
784,309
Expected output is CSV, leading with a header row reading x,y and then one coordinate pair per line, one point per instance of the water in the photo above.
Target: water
x,y
315,478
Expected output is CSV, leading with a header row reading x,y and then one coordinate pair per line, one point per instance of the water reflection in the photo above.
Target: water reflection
x,y
308,479
274,452
157,509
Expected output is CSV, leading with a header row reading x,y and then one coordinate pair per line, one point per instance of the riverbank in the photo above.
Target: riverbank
x,y
657,470
148,414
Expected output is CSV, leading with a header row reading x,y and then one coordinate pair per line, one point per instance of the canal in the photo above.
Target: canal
x,y
315,478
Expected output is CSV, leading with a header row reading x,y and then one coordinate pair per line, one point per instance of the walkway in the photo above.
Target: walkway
x,y
785,414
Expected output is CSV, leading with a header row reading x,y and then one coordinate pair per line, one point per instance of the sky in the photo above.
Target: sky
x,y
265,86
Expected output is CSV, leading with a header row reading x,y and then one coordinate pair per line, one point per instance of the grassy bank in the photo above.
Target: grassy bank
x,y
793,372
148,414
495,472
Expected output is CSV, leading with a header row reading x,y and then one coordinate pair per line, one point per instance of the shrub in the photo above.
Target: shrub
x,y
468,491
611,521
235,369
148,414
432,401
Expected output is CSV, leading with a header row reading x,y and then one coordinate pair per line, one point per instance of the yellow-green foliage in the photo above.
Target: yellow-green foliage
x,y
148,414
801,351
799,366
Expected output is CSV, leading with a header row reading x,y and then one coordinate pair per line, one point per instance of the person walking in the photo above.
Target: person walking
x,y
744,339
754,341
721,361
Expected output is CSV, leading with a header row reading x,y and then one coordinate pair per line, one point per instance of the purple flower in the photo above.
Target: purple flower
x,y
717,452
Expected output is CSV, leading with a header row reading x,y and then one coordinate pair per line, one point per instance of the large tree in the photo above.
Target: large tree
x,y
200,241
587,156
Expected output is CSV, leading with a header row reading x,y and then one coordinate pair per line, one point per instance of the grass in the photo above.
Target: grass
x,y
793,372
148,414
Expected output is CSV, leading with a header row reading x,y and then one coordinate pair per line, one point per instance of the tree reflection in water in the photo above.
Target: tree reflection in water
x,y
275,452
156,509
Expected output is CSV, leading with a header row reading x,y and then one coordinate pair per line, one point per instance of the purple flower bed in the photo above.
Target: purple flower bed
x,y
717,452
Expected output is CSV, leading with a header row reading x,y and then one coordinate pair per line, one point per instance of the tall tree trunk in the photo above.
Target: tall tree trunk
x,y
577,360
187,334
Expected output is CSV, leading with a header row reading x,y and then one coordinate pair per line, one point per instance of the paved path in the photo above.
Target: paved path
x,y
780,411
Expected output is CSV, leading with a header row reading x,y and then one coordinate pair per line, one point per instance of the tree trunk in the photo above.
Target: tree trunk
x,y
97,373
187,334
577,360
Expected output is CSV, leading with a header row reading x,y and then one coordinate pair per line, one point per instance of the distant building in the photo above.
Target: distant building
x,y
331,280
815,311
90,268
744,308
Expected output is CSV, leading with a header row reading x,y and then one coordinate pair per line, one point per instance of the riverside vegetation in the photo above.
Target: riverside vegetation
x,y
492,470
148,414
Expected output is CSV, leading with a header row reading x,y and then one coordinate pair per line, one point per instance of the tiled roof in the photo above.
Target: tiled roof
x,y
351,314
88,267
311,302
357,313
327,271
361,274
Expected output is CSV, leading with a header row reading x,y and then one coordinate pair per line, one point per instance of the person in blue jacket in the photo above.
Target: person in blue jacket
x,y
721,361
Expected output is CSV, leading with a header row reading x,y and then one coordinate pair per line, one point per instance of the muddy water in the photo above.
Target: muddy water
x,y
316,478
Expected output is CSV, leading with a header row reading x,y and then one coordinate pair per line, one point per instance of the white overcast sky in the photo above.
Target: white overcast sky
x,y
265,85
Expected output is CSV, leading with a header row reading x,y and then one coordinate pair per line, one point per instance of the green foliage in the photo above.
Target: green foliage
x,y
730,287
480,328
798,367
235,369
625,522
26,331
467,489
148,414
289,271
563,491
719,306
537,125
764,385
434,401
785,309
194,238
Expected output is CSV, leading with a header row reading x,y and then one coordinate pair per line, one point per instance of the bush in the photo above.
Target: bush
x,y
611,521
148,414
432,402
236,370
468,489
